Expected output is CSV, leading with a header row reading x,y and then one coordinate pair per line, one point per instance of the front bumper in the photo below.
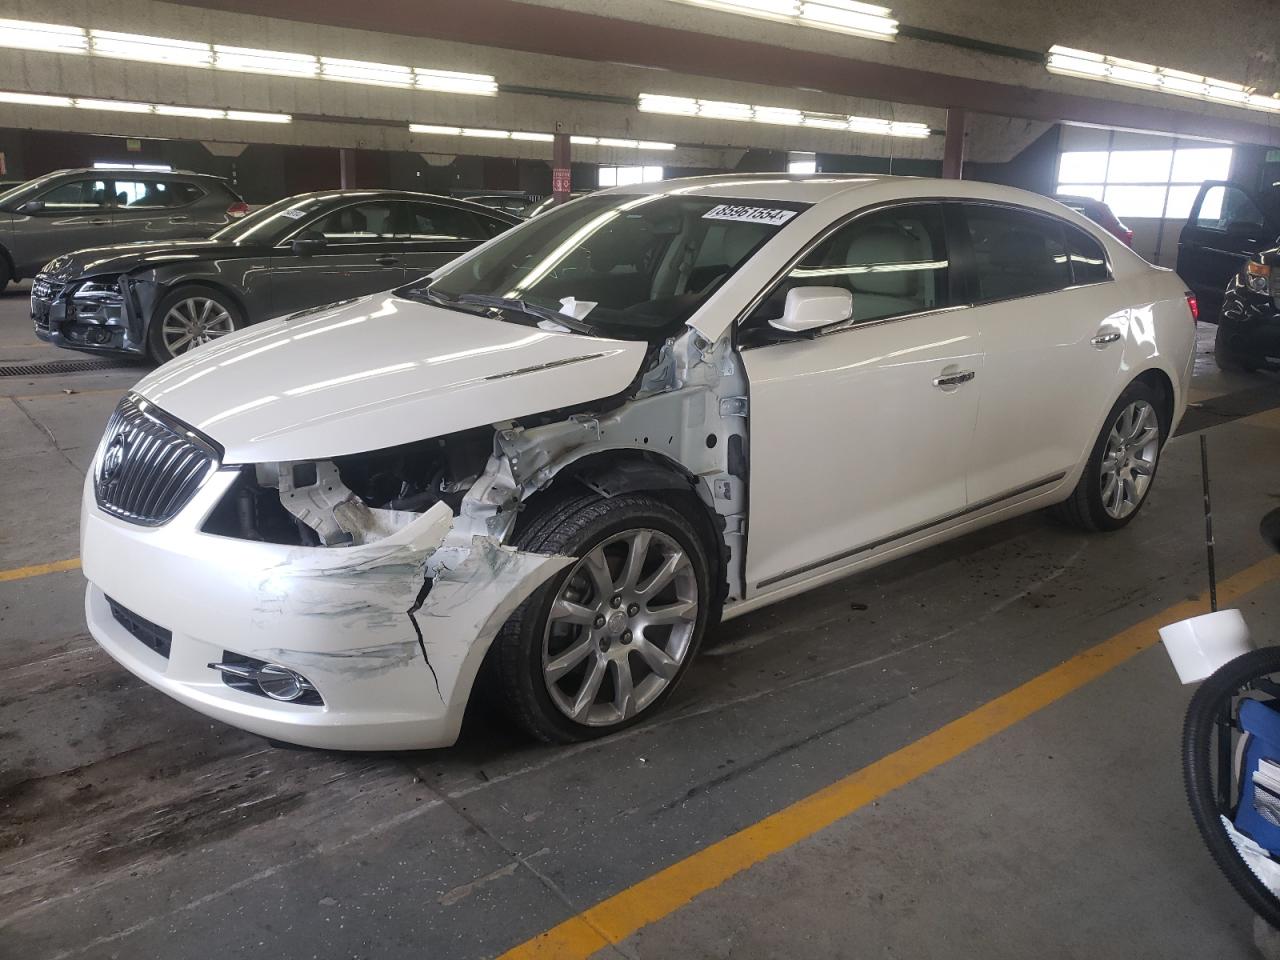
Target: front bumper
x,y
1249,327
58,320
337,615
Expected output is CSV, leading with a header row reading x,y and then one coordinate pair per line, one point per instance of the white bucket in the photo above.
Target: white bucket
x,y
1202,644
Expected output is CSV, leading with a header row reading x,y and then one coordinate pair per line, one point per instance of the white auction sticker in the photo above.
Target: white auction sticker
x,y
733,211
293,214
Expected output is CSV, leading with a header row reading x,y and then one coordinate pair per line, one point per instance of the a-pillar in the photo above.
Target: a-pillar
x,y
953,148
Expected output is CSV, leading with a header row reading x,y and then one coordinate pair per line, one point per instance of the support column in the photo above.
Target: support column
x,y
953,148
346,168
560,175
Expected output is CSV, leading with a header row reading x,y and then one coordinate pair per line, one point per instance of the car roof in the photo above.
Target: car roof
x,y
100,171
400,195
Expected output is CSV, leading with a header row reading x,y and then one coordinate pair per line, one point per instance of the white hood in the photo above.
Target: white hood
x,y
377,372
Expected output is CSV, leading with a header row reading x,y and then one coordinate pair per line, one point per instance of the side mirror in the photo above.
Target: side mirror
x,y
31,206
808,308
306,246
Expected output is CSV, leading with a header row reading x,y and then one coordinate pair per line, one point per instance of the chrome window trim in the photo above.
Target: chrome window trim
x,y
849,218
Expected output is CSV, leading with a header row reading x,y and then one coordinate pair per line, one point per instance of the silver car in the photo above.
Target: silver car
x,y
71,209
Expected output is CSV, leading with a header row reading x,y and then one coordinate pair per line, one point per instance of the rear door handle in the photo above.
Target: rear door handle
x,y
386,261
179,219
954,379
99,221
1102,339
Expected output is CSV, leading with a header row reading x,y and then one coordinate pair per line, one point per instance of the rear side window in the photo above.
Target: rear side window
x,y
1015,253
150,194
894,262
429,221
1088,259
360,223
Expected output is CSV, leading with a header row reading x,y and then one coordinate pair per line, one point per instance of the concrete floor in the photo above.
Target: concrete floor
x,y
131,827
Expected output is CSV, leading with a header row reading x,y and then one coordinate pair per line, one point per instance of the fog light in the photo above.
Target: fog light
x,y
281,683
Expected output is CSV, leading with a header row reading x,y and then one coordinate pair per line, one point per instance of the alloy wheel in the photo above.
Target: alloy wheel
x,y
620,627
194,321
1133,445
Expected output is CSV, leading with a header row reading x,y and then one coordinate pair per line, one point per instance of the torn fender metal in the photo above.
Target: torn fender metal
x,y
337,615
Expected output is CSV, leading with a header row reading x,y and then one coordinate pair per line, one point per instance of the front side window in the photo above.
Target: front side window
x,y
359,223
75,195
1224,205
630,266
894,262
1015,253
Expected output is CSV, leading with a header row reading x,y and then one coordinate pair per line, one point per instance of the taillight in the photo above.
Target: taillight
x,y
237,209
1193,305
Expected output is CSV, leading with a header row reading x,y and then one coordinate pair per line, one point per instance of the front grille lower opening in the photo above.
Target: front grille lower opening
x,y
151,635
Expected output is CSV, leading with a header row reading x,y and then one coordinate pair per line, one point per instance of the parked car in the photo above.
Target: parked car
x,y
1249,325
513,203
1099,213
71,209
162,299
7,185
578,447
1228,225
546,203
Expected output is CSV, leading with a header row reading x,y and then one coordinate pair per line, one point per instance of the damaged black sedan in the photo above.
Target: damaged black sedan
x,y
162,299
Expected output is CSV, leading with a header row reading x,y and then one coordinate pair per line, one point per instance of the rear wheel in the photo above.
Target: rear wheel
x,y
1122,465
603,644
189,317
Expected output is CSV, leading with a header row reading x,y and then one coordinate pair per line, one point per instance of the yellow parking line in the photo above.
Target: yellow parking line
x,y
613,920
39,569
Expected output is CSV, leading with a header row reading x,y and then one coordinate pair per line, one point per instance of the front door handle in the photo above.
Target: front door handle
x,y
386,261
179,219
99,221
954,379
1102,339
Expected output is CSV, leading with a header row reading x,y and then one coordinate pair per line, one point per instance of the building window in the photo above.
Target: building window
x,y
802,162
1150,183
625,176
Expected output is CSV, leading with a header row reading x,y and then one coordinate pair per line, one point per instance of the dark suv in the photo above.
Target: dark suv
x,y
71,209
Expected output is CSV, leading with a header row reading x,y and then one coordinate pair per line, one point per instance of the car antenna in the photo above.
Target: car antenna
x,y
1208,523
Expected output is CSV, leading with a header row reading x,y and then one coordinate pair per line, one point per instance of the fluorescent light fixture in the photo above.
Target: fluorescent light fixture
x,y
273,62
584,141
360,71
255,116
158,109
1067,61
450,81
58,38
35,99
203,113
494,134
784,116
50,37
133,46
430,128
655,145
536,137
841,16
147,167
119,106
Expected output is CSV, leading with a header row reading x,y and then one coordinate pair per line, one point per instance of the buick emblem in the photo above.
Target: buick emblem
x,y
112,458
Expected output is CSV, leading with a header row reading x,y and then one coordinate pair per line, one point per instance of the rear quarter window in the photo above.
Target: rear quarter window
x,y
1088,258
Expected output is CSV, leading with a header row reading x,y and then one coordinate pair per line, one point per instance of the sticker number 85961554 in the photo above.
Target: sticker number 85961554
x,y
734,211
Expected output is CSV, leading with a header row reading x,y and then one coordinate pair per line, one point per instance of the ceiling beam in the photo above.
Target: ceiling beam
x,y
512,25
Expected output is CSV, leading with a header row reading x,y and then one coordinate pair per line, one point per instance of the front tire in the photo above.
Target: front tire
x,y
603,644
1122,464
1225,359
188,317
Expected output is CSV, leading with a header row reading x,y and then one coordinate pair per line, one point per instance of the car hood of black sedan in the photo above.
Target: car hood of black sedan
x,y
127,257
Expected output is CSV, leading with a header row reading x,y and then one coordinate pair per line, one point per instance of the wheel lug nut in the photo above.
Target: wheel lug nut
x,y
626,636
633,609
599,621
615,602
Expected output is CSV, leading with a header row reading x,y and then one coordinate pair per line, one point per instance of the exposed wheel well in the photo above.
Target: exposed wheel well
x,y
1159,381
612,472
216,287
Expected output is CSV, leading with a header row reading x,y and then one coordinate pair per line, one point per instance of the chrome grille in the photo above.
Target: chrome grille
x,y
149,464
43,292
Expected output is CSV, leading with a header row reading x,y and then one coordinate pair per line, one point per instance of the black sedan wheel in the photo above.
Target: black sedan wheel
x,y
188,317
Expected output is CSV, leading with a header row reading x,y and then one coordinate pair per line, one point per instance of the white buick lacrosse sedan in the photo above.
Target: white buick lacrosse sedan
x,y
572,451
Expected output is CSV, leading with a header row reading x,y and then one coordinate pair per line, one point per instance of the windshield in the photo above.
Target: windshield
x,y
634,267
264,224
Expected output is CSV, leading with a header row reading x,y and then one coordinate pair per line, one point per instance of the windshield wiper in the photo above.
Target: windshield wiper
x,y
525,307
